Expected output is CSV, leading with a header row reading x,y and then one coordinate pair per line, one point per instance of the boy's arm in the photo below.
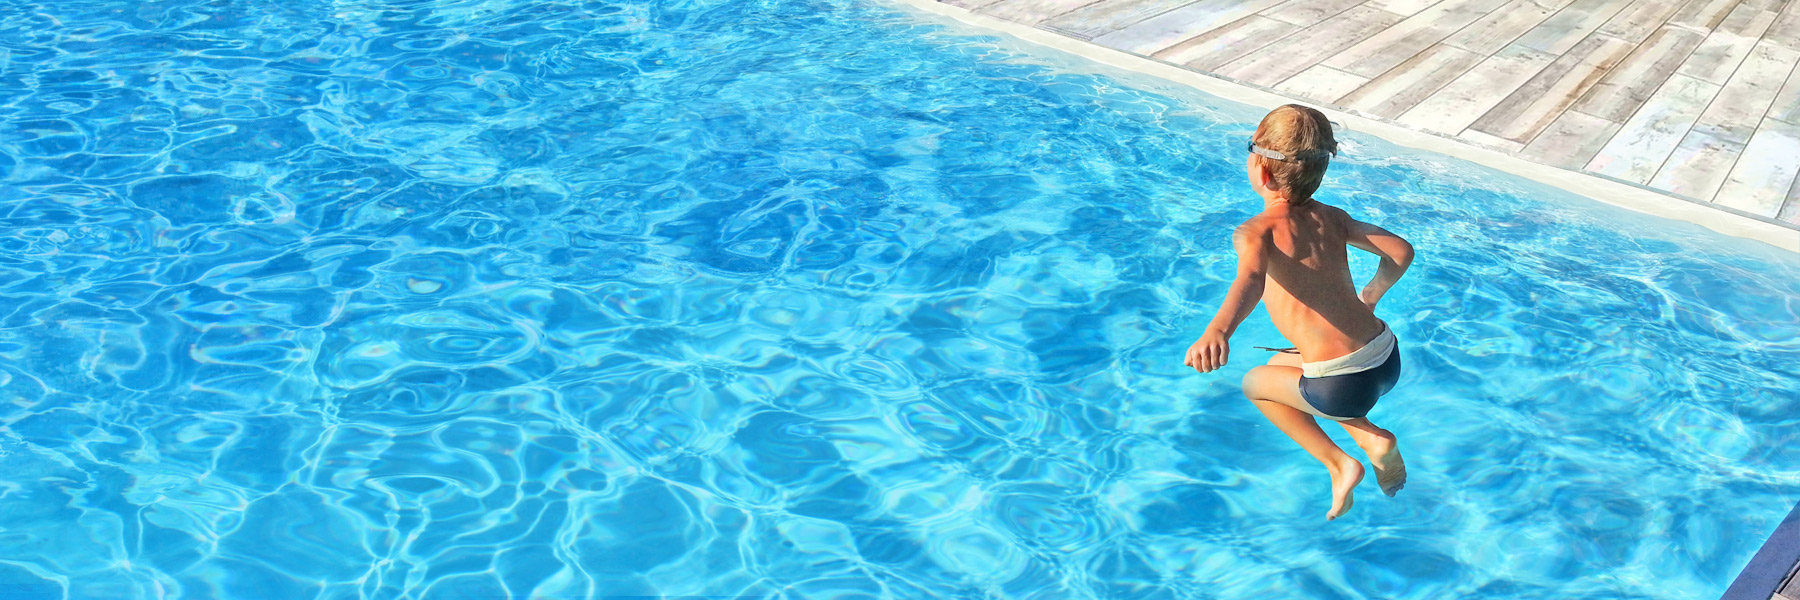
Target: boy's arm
x,y
1213,348
1395,252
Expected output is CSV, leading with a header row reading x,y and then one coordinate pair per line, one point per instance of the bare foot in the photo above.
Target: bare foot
x,y
1384,455
1344,478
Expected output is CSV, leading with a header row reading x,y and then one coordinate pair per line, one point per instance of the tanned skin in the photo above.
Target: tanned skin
x,y
1293,257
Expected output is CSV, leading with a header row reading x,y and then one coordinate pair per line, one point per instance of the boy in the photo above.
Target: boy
x,y
1292,256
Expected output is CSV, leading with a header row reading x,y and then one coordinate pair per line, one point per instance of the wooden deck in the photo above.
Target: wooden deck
x,y
1694,98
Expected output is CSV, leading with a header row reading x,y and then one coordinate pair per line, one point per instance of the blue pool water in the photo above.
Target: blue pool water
x,y
800,299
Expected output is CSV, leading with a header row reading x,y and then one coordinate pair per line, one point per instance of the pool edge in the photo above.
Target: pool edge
x,y
1638,199
1771,564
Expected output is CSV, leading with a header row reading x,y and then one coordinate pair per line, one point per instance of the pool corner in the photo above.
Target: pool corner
x,y
1771,574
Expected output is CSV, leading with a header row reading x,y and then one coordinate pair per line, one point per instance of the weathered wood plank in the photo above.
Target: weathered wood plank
x,y
1790,212
1786,30
1749,95
1322,84
1454,108
1645,142
1532,107
969,4
1638,20
1718,57
1306,13
1504,25
1786,106
1490,142
1405,8
1571,140
1749,19
1698,166
1623,90
1032,12
1107,16
1386,50
1703,15
1228,43
1571,25
1403,87
1305,48
1760,181
1170,28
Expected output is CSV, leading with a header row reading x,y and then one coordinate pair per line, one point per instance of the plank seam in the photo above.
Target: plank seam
x,y
1049,17
1709,104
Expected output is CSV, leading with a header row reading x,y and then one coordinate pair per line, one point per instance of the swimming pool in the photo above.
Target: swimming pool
x,y
807,298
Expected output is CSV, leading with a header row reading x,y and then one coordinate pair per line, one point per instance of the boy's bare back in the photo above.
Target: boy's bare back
x,y
1309,293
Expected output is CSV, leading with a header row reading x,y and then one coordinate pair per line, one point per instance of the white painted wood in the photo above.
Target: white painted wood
x,y
1322,84
970,4
1703,15
1571,25
1031,12
1735,114
1787,102
1532,107
1790,213
1395,45
1786,30
1107,16
1306,13
1719,56
1638,20
1404,8
1499,28
1459,104
1305,48
1698,166
1170,28
1491,142
1571,140
1750,19
1760,181
1228,43
1641,146
1628,85
1403,87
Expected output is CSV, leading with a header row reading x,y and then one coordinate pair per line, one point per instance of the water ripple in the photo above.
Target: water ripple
x,y
809,298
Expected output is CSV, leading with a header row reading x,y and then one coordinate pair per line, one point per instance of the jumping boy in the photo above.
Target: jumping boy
x,y
1292,256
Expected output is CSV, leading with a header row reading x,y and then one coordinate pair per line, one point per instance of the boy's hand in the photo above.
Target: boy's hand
x,y
1210,352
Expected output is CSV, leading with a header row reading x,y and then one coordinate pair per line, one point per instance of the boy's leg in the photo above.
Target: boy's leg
x,y
1383,450
1275,390
1380,444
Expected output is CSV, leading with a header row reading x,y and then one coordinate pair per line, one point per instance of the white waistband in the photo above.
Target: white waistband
x,y
1363,359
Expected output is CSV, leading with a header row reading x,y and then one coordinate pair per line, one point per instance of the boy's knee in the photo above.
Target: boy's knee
x,y
1252,381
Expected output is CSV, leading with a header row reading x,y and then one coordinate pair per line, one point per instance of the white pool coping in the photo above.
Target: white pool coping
x,y
1599,189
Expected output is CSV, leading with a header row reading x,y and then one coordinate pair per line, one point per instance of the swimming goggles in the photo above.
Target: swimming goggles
x,y
1300,155
1281,350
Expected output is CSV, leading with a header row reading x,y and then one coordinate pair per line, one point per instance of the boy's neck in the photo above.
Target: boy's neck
x,y
1273,201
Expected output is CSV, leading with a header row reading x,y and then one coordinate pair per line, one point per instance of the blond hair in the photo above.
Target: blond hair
x,y
1292,129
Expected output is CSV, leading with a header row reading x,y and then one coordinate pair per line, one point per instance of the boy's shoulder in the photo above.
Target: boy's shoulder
x,y
1267,219
1256,225
1329,209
